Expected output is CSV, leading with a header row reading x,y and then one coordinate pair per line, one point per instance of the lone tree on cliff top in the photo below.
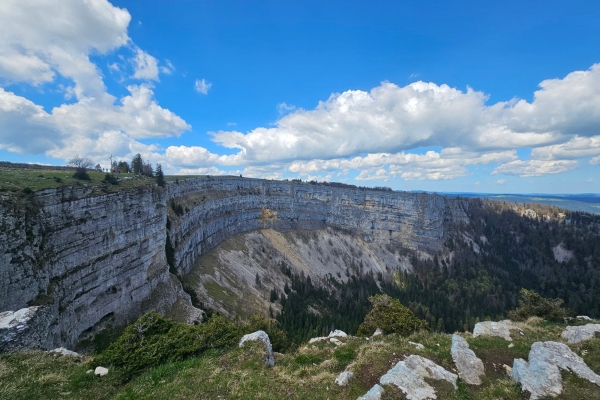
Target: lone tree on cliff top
x,y
81,162
160,177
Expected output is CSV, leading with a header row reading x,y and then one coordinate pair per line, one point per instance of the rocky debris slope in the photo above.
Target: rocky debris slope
x,y
490,328
577,334
469,366
260,336
541,375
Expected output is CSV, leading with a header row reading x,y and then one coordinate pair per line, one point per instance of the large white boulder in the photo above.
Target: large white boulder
x,y
409,376
261,336
490,328
100,371
469,366
541,375
576,334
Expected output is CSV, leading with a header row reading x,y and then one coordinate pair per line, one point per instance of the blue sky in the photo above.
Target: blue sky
x,y
441,96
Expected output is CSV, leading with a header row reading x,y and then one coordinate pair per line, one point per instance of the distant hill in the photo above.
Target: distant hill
x,y
587,202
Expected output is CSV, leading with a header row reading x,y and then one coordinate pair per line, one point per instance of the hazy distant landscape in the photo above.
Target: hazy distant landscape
x,y
586,202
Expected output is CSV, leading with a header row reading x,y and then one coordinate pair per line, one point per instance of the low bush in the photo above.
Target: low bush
x,y
391,316
108,178
308,359
81,173
344,355
532,304
153,340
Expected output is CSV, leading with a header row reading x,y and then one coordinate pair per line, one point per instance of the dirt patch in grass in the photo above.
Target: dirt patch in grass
x,y
494,352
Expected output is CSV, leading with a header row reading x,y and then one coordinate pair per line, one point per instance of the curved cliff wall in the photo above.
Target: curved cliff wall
x,y
219,208
81,257
74,259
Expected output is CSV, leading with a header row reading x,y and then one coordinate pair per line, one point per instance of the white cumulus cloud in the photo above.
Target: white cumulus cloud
x,y
145,66
42,39
535,167
202,86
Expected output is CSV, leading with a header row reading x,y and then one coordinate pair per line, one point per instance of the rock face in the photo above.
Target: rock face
x,y
374,393
469,366
576,334
87,258
489,328
541,375
80,259
261,336
409,376
223,207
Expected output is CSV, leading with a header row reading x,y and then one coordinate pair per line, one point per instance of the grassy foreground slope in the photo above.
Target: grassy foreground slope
x,y
304,373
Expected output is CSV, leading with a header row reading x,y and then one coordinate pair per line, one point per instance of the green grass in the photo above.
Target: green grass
x,y
306,373
20,180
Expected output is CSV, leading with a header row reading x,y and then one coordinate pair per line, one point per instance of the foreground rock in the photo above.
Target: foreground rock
x,y
23,328
374,393
344,378
261,336
332,335
101,371
64,352
409,376
469,366
576,334
489,328
541,375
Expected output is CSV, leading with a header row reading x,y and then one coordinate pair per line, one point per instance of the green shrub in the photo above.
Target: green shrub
x,y
391,316
344,355
81,173
108,178
308,359
153,340
532,304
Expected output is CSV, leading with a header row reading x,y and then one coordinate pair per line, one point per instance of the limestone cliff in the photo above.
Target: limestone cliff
x,y
222,207
86,258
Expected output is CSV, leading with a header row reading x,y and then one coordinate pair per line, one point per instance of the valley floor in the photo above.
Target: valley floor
x,y
301,374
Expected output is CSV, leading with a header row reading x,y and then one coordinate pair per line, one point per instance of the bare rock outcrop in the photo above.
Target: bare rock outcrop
x,y
64,352
490,328
541,375
344,378
261,336
409,376
332,337
577,334
374,393
469,366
